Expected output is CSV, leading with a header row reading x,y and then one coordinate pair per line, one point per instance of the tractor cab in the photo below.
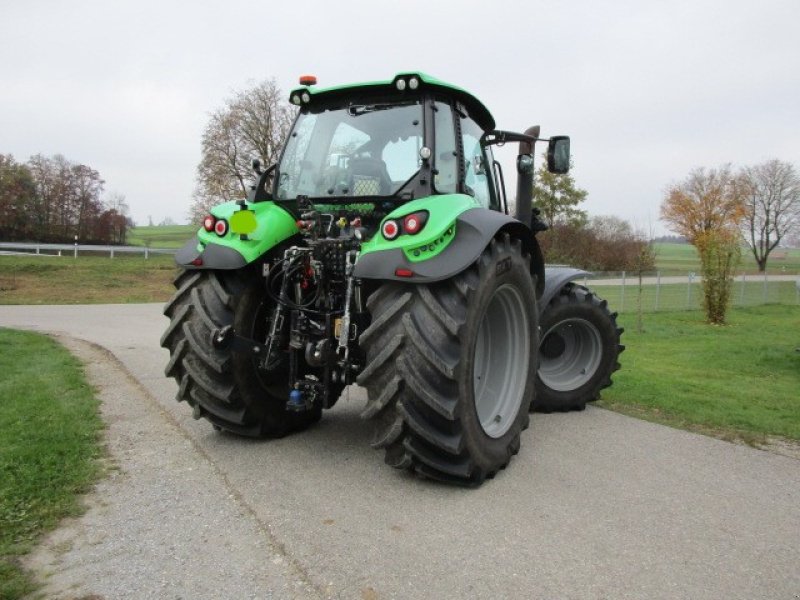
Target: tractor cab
x,y
386,143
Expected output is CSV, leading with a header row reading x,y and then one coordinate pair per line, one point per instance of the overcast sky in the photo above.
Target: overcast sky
x,y
646,90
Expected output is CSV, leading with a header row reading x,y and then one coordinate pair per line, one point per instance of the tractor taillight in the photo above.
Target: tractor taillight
x,y
221,227
401,272
413,223
208,223
390,230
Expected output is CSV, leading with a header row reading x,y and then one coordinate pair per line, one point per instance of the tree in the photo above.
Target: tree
x,y
773,206
17,196
607,243
707,208
252,124
557,197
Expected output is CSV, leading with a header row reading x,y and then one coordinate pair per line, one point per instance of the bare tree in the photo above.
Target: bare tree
x,y
252,124
773,206
707,208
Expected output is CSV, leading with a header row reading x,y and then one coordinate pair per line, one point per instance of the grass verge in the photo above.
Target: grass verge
x,y
85,280
49,445
739,381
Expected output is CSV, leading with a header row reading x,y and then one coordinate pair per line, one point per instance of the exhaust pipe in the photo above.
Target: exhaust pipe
x,y
525,177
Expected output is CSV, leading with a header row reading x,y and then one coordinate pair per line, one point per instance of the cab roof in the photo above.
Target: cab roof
x,y
474,106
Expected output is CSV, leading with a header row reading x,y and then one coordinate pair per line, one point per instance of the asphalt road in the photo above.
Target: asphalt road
x,y
596,505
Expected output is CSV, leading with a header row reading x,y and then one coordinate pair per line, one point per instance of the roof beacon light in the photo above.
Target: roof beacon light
x,y
413,83
308,80
401,84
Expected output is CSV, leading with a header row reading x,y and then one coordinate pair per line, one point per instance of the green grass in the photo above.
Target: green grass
x,y
739,381
85,280
49,446
680,259
161,236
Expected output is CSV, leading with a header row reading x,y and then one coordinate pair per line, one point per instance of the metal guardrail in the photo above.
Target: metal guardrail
x,y
76,249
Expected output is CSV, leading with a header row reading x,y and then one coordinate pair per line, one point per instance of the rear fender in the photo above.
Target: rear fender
x,y
457,232
556,278
207,250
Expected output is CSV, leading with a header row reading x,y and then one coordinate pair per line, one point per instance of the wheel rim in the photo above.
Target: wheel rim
x,y
502,359
570,354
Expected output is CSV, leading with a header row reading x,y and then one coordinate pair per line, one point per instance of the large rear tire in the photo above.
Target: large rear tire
x,y
449,369
578,352
228,389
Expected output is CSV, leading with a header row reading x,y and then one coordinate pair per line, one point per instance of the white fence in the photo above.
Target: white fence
x,y
657,292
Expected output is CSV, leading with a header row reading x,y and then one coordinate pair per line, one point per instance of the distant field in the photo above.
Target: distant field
x,y
161,236
679,259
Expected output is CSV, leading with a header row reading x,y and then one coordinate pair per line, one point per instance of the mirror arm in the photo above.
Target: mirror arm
x,y
497,137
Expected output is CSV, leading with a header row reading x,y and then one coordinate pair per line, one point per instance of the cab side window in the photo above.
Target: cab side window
x,y
476,169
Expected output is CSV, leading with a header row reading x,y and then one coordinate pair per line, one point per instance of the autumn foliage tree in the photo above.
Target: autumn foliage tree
x,y
50,199
707,208
252,124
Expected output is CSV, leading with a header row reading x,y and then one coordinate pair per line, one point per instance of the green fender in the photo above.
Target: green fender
x,y
456,232
207,250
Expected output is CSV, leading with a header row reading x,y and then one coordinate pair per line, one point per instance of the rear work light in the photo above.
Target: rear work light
x,y
208,223
221,227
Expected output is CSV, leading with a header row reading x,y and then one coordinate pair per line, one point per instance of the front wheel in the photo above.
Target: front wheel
x,y
449,370
578,352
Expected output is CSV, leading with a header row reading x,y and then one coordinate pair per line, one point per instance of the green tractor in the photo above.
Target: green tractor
x,y
380,251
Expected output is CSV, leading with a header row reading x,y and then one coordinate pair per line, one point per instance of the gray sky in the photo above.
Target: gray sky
x,y
646,90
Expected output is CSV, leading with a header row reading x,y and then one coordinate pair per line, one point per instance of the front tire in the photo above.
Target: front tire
x,y
228,389
579,350
449,369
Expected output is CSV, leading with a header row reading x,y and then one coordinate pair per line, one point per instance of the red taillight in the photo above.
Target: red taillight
x,y
390,230
198,262
209,222
414,222
401,272
221,227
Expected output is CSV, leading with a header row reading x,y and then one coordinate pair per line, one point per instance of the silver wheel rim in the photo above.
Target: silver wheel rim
x,y
581,349
502,359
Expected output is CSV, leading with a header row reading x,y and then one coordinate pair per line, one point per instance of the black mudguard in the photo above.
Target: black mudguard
x,y
556,278
213,256
475,229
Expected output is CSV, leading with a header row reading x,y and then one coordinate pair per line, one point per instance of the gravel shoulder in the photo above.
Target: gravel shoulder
x,y
147,531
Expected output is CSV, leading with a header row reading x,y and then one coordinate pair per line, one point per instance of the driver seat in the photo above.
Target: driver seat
x,y
369,177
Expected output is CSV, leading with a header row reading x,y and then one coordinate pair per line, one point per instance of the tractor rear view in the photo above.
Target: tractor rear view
x,y
380,251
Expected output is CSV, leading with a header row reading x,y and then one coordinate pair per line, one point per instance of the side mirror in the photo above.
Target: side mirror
x,y
558,154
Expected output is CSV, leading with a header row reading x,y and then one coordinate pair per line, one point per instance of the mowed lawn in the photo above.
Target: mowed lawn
x,y
741,380
50,434
85,280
